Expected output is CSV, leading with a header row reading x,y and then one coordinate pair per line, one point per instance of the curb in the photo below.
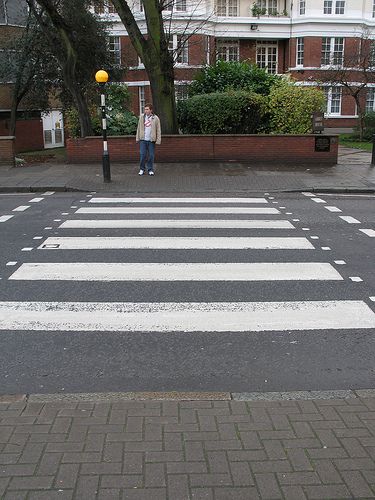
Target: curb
x,y
189,396
69,189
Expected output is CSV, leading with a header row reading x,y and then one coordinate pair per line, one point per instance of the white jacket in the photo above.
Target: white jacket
x,y
155,129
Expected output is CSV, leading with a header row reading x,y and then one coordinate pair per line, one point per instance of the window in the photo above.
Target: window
x,y
370,100
178,45
181,91
267,56
269,6
302,7
142,100
104,7
332,51
226,8
327,8
340,7
371,54
115,49
300,51
176,5
333,100
227,50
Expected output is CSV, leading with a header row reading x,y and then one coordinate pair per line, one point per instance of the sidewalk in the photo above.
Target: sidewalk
x,y
352,173
233,447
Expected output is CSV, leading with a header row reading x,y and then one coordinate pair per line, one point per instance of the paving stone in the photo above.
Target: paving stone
x,y
357,485
31,483
268,486
236,494
145,494
178,487
332,492
66,476
155,475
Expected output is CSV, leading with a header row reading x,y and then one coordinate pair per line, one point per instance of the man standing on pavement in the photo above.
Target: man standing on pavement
x,y
148,134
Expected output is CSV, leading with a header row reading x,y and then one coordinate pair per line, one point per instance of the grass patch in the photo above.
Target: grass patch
x,y
349,141
53,155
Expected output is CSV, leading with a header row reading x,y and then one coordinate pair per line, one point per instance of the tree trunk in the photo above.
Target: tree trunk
x,y
162,91
156,58
361,116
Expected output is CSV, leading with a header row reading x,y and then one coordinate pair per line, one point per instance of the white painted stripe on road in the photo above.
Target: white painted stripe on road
x,y
369,232
48,193
177,223
175,243
146,271
4,218
178,200
21,208
36,200
177,210
318,200
349,219
333,209
186,317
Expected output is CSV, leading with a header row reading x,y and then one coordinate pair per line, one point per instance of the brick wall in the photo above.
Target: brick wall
x,y
29,134
291,149
7,151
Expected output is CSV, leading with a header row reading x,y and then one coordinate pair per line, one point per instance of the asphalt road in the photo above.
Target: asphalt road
x,y
52,359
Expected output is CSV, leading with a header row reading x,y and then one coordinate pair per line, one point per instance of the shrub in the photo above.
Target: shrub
x,y
232,112
290,108
224,75
369,127
120,121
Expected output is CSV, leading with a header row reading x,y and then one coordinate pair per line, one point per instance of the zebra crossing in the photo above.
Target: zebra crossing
x,y
206,216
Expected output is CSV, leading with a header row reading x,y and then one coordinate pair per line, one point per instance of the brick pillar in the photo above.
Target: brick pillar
x,y
7,151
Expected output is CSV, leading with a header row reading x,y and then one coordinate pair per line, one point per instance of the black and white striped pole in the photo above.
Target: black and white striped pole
x,y
101,77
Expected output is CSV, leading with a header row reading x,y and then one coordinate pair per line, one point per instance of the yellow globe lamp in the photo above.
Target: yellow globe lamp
x,y
101,76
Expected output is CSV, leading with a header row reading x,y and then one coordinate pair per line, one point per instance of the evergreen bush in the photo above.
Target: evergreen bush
x,y
290,108
231,112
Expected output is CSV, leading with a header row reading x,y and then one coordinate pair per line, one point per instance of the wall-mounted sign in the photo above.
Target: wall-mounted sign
x,y
322,144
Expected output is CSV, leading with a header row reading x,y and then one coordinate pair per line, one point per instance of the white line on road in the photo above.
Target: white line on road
x,y
186,317
21,208
4,218
36,200
177,223
102,271
369,232
349,219
177,210
318,200
355,278
175,243
333,209
178,200
48,193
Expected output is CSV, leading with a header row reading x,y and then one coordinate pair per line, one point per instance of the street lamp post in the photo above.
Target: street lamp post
x,y
101,77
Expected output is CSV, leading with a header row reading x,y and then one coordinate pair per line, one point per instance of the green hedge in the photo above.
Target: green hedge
x,y
290,108
232,112
235,75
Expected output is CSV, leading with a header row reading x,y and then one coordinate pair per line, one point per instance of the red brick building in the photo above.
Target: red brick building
x,y
299,37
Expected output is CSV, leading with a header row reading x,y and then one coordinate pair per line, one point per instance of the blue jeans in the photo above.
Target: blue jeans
x,y
147,147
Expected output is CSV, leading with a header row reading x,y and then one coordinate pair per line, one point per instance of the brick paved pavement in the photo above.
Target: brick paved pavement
x,y
177,450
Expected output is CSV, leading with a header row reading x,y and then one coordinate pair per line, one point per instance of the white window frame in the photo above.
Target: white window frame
x,y
115,49
268,5
333,42
266,65
340,7
141,99
180,49
181,91
328,7
302,7
231,49
331,93
370,98
300,51
226,8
